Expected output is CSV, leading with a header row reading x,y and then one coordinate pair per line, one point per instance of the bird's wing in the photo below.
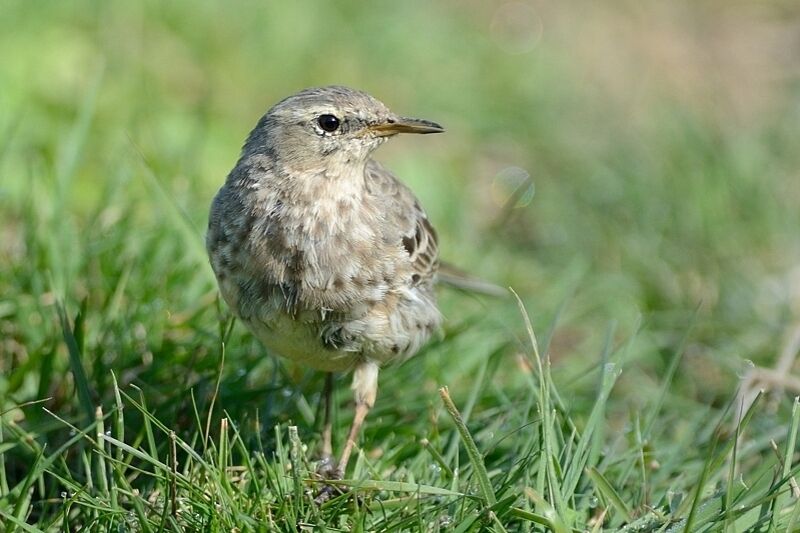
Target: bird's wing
x,y
407,222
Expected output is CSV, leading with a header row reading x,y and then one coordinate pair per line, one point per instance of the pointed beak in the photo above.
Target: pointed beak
x,y
395,125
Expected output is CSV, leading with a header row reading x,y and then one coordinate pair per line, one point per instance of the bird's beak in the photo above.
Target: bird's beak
x,y
397,125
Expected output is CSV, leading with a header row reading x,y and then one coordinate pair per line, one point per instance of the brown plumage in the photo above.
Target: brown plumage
x,y
320,251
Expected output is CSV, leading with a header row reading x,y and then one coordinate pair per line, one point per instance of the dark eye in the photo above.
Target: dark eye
x,y
328,122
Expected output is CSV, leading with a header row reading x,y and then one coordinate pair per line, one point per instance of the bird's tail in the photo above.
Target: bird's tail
x,y
455,277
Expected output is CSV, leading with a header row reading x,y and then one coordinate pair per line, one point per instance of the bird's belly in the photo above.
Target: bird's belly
x,y
391,329
300,341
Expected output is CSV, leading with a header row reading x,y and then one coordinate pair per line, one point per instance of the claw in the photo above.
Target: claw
x,y
326,493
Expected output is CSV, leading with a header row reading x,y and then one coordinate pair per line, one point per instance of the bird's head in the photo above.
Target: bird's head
x,y
324,127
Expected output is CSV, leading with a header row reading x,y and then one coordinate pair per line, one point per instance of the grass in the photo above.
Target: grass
x,y
630,171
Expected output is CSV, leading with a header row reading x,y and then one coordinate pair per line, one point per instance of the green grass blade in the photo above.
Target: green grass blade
x,y
75,361
437,457
607,491
19,523
393,486
551,516
652,416
22,506
472,450
3,474
791,441
579,459
136,453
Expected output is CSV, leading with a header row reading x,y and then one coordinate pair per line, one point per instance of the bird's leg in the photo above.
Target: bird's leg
x,y
327,425
365,388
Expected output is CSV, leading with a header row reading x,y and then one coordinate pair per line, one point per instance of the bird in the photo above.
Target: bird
x,y
323,253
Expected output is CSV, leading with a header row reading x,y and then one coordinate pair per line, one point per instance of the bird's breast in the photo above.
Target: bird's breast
x,y
330,250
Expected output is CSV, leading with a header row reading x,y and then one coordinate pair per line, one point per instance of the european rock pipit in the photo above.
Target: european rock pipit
x,y
319,250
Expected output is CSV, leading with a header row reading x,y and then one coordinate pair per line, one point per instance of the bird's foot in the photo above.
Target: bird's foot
x,y
327,492
328,470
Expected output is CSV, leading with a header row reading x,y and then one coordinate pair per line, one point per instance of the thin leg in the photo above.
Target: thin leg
x,y
361,413
365,387
327,424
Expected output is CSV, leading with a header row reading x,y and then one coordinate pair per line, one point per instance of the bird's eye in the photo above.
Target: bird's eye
x,y
328,123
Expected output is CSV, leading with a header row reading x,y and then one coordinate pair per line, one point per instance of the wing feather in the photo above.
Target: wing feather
x,y
409,225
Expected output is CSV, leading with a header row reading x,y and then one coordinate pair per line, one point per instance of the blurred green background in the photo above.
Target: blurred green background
x,y
631,169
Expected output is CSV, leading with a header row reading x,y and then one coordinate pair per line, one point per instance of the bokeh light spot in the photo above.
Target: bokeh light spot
x,y
514,187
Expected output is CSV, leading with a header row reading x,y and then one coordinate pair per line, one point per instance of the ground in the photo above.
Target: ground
x,y
631,171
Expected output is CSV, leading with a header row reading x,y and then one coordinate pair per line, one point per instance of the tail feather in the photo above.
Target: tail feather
x,y
455,277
